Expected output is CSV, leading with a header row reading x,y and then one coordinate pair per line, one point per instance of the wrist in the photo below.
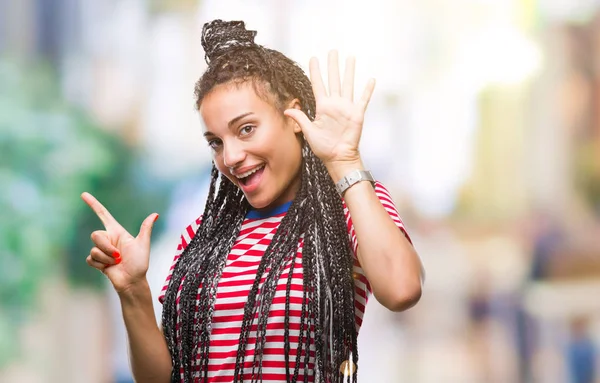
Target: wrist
x,y
339,169
135,291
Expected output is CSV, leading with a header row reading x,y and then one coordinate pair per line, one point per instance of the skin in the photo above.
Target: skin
x,y
244,131
389,261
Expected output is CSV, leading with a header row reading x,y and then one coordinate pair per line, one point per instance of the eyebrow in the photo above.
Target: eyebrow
x,y
230,123
236,119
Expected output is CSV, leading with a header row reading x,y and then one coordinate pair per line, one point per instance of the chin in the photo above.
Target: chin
x,y
258,202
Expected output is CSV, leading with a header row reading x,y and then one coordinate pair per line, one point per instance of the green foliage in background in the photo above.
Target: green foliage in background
x,y
50,152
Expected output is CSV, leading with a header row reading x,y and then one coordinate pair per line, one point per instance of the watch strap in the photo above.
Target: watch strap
x,y
353,178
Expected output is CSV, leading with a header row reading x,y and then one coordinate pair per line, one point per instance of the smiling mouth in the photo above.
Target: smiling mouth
x,y
247,177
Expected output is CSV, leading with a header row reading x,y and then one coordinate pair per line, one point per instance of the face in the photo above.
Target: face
x,y
254,145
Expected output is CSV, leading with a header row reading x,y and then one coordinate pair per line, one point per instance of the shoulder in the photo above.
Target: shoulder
x,y
188,233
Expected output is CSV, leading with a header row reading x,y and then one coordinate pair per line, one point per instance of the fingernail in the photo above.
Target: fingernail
x,y
117,261
116,255
155,218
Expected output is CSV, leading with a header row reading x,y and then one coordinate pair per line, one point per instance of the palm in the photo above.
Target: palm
x,y
334,134
134,265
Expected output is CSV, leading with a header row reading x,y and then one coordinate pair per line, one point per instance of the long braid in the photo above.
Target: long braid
x,y
222,214
203,314
337,269
170,315
315,219
273,260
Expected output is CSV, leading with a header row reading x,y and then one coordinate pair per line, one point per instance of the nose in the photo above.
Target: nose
x,y
233,153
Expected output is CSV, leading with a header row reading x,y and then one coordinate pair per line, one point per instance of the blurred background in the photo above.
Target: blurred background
x,y
485,126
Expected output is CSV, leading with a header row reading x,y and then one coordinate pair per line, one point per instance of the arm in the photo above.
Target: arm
x,y
387,258
148,352
124,260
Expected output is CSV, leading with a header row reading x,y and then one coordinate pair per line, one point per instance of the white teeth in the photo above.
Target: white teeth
x,y
249,172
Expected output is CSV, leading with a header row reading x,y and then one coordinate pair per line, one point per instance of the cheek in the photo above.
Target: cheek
x,y
290,153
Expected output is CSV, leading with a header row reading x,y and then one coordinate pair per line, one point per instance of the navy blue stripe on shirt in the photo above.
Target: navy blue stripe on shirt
x,y
255,214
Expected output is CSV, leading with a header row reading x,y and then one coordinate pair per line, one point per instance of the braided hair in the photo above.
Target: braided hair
x,y
315,217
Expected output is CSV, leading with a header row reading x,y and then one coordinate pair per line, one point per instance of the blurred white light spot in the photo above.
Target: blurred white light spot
x,y
500,55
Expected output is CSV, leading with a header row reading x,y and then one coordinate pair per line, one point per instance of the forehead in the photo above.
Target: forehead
x,y
227,101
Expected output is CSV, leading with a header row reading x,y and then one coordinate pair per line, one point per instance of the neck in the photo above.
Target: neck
x,y
286,196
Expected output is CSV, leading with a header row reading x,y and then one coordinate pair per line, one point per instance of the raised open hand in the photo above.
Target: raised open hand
x,y
335,133
121,257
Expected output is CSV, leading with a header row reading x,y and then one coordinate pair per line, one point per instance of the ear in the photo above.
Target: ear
x,y
295,104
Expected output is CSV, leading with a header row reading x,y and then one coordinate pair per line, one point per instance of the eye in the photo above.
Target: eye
x,y
214,144
247,129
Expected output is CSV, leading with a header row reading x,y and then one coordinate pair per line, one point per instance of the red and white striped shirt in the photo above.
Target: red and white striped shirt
x,y
236,281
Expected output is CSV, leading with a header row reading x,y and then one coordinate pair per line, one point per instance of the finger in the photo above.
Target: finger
x,y
103,242
100,256
107,219
300,117
146,229
95,264
333,73
367,93
348,85
316,79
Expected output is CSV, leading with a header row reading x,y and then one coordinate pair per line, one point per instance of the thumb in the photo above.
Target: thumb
x,y
300,117
146,229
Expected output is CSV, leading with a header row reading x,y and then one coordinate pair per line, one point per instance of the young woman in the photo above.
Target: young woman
x,y
271,281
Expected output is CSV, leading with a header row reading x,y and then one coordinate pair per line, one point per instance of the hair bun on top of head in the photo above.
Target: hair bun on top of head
x,y
218,36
